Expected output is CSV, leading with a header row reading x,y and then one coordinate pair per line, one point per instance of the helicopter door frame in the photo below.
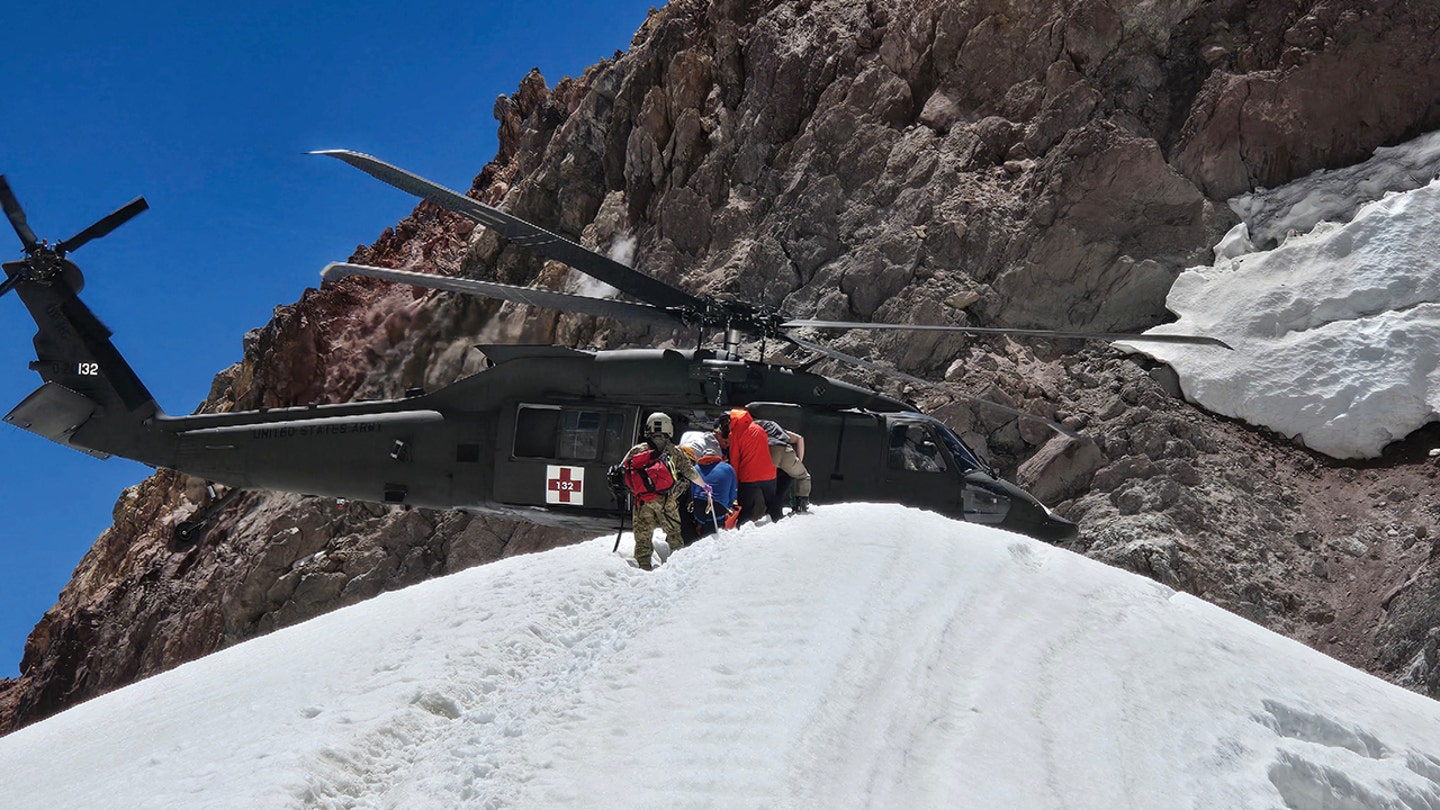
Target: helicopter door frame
x,y
925,471
555,455
844,470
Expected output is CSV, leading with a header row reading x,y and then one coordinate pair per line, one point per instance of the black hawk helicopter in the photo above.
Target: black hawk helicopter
x,y
531,436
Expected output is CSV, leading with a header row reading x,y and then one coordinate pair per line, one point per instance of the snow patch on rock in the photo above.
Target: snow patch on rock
x,y
1336,332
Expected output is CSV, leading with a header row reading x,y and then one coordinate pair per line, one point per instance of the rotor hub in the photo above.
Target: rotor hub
x,y
756,319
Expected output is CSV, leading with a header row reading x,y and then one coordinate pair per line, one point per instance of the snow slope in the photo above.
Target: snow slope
x,y
1337,330
866,656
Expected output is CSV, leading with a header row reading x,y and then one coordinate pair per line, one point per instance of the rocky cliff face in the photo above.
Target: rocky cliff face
x,y
1027,163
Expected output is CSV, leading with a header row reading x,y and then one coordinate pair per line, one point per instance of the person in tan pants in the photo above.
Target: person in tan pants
x,y
787,451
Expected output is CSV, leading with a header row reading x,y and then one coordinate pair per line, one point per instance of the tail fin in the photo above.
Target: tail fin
x,y
91,399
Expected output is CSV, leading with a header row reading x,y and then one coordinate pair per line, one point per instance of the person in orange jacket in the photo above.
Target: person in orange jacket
x,y
749,449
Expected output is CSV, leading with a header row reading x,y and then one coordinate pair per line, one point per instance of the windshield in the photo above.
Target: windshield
x,y
964,456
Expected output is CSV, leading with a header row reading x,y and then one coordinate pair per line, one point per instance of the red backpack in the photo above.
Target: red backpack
x,y
648,476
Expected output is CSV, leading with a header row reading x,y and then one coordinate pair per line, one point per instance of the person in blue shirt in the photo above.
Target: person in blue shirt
x,y
721,479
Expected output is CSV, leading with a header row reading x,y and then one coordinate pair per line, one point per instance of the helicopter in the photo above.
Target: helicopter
x,y
531,436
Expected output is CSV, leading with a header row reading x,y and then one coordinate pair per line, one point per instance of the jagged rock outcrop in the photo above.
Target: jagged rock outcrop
x,y
1023,163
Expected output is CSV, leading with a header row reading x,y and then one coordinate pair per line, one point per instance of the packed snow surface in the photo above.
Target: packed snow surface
x,y
863,656
1337,330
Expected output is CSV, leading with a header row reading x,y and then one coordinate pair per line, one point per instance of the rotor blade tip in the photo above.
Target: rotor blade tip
x,y
334,271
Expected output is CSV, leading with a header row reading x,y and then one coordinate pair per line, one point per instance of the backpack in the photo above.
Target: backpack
x,y
648,475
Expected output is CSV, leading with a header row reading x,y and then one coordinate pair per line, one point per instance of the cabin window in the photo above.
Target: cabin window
x,y
575,434
615,439
536,428
579,434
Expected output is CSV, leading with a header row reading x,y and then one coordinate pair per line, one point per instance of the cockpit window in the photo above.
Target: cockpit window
x,y
913,448
964,456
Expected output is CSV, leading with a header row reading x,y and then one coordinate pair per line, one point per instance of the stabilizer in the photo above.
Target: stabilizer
x,y
55,412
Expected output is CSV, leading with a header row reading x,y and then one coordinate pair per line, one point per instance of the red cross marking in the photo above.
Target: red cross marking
x,y
565,487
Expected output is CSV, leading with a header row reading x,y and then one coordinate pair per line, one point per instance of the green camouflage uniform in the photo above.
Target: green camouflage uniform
x,y
663,511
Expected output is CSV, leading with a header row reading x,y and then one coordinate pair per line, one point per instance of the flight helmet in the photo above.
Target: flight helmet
x,y
659,422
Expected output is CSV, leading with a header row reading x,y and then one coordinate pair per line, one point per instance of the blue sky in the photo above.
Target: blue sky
x,y
208,114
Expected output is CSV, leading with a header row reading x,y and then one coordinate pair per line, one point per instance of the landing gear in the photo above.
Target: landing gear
x,y
189,532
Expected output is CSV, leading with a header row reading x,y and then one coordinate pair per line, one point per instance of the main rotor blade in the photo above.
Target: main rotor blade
x,y
924,383
532,237
104,225
987,330
16,215
567,302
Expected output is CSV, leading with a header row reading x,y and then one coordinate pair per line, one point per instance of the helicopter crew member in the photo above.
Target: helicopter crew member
x,y
787,451
911,449
749,449
663,511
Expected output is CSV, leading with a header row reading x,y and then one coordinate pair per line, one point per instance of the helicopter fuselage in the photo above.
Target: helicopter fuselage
x,y
532,437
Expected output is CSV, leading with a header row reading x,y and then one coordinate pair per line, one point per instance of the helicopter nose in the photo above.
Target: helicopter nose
x,y
1028,516
1055,529
1037,521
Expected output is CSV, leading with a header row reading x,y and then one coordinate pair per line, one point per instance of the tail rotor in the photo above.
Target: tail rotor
x,y
45,262
103,226
16,215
